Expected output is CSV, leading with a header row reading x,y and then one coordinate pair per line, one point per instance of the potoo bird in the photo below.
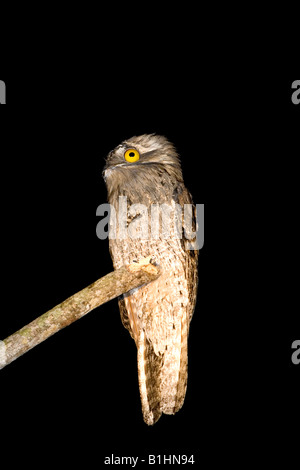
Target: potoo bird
x,y
146,171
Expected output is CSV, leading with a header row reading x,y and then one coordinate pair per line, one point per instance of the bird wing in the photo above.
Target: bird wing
x,y
182,196
129,320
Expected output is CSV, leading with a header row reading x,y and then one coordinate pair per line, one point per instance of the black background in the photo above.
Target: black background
x,y
76,395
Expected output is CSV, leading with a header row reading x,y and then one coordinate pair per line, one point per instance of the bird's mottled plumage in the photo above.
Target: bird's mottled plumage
x,y
157,315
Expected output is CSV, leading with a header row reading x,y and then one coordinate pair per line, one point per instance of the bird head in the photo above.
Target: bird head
x,y
144,152
144,168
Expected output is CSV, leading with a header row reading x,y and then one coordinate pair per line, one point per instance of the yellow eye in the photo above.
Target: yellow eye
x,y
131,155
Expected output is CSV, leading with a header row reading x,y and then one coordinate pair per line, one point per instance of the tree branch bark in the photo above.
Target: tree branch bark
x,y
108,287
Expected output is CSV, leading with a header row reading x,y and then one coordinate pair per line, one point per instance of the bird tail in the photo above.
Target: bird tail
x,y
162,378
174,372
149,368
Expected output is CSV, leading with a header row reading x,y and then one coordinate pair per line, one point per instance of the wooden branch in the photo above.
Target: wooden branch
x,y
108,287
